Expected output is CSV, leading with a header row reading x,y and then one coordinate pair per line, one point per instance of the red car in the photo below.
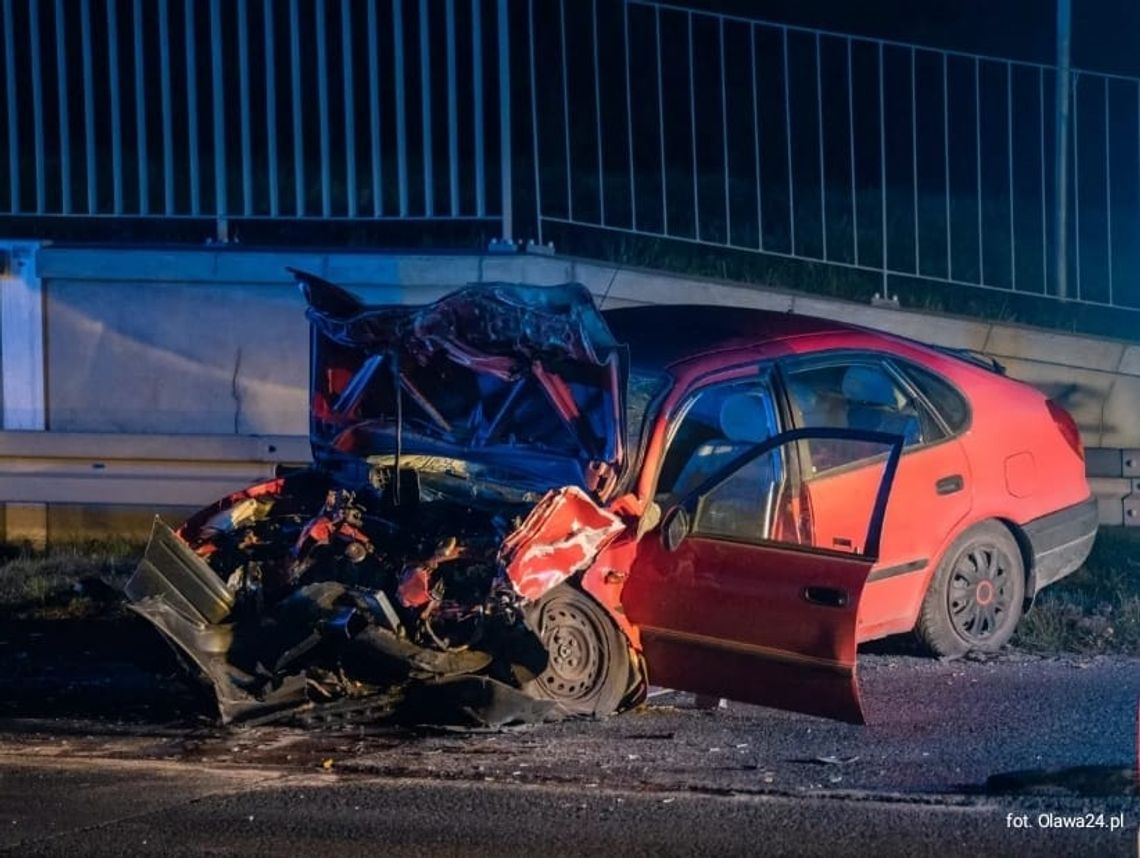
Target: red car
x,y
516,498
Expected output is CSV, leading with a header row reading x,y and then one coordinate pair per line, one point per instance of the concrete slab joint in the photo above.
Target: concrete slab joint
x,y
22,339
22,404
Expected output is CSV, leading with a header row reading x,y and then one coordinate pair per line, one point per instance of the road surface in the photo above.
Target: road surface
x,y
959,758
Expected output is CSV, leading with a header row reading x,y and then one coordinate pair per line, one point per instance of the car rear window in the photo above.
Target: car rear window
x,y
947,401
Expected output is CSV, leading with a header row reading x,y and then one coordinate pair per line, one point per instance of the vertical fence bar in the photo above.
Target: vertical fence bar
x,y
724,137
452,111
116,127
914,158
271,107
425,111
140,112
13,128
628,119
565,109
374,113
946,163
788,140
851,152
978,167
883,170
504,47
349,109
167,126
661,121
1064,10
756,135
298,131
88,109
1108,186
819,124
598,117
1077,183
219,123
1044,223
534,120
243,100
37,104
192,108
64,122
693,134
1009,150
477,87
401,110
323,108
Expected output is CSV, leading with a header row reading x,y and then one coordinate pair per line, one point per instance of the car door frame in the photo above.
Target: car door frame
x,y
767,668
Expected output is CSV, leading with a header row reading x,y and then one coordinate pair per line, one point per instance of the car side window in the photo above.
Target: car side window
x,y
947,401
856,393
713,428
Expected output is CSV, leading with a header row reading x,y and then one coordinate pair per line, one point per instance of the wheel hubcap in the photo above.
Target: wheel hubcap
x,y
981,592
576,664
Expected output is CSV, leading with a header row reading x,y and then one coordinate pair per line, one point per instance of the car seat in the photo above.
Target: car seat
x,y
875,404
745,421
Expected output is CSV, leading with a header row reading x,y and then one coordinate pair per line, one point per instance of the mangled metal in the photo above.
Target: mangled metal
x,y
463,455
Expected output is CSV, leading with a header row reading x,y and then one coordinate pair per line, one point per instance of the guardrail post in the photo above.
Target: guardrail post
x,y
22,369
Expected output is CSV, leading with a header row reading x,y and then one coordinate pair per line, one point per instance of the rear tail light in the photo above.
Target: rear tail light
x,y
1067,426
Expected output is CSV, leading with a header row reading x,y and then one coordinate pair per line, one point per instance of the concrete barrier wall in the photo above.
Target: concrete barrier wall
x,y
214,340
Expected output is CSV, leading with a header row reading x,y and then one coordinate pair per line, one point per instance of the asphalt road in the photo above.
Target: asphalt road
x,y
954,753
151,809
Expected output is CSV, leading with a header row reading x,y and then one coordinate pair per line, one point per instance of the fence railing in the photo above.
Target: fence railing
x,y
636,117
252,108
861,153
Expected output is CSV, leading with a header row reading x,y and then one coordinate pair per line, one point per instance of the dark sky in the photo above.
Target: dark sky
x,y
1105,33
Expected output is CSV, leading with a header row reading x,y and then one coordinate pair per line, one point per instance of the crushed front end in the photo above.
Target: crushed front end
x,y
463,454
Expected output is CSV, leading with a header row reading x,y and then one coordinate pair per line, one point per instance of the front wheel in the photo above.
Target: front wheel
x,y
975,598
589,668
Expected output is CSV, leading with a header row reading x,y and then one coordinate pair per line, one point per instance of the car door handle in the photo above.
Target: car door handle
x,y
828,597
949,485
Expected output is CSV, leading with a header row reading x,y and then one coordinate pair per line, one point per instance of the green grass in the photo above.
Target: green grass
x,y
75,579
1094,610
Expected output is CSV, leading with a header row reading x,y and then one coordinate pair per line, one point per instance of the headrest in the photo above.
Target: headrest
x,y
744,418
865,385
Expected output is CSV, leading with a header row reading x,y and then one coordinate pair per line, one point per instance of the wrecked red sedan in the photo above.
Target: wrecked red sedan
x,y
509,519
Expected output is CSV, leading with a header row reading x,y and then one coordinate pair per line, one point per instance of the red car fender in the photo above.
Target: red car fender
x,y
605,580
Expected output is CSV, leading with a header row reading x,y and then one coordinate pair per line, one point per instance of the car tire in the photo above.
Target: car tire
x,y
589,668
975,599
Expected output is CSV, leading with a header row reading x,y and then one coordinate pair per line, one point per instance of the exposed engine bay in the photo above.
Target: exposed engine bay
x,y
466,455
387,585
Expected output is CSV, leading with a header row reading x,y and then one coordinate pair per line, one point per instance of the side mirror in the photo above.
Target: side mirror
x,y
675,528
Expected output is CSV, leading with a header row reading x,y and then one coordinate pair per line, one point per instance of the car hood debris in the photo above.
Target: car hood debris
x,y
464,452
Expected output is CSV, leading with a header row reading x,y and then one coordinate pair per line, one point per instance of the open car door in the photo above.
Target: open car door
x,y
734,597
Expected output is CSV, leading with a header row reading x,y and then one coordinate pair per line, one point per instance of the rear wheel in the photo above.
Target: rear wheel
x,y
589,668
974,601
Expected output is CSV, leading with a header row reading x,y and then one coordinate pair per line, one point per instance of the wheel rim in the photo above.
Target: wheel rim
x,y
981,592
576,667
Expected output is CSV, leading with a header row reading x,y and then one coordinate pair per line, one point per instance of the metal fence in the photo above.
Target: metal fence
x,y
253,108
861,153
637,118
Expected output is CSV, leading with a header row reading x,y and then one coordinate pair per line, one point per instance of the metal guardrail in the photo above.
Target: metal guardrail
x,y
159,470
